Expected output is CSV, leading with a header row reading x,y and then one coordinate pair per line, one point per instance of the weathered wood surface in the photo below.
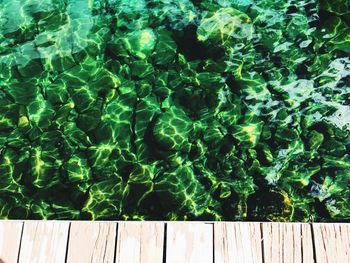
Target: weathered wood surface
x,y
189,242
237,242
307,243
332,242
140,242
44,242
289,243
91,242
173,242
10,238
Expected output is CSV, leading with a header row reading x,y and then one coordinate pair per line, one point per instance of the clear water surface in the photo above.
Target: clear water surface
x,y
175,109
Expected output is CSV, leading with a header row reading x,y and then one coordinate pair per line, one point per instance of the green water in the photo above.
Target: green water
x,y
175,109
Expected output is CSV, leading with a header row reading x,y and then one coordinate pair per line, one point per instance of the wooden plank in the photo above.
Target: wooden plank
x,y
237,242
140,242
306,243
92,242
287,242
345,237
186,242
332,242
10,238
44,241
189,242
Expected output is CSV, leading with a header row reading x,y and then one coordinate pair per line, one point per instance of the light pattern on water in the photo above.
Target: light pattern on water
x,y
175,109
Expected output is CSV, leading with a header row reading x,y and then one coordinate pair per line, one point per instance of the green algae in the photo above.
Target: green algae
x,y
175,110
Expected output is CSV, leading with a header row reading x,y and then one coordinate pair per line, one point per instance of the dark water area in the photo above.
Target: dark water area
x,y
175,110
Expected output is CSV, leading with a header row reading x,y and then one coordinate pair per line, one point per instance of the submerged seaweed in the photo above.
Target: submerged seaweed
x,y
175,109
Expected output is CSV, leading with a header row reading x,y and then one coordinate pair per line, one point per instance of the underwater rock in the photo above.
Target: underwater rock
x,y
140,43
223,25
171,130
175,110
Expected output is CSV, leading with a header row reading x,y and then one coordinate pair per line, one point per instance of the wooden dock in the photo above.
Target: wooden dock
x,y
172,242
